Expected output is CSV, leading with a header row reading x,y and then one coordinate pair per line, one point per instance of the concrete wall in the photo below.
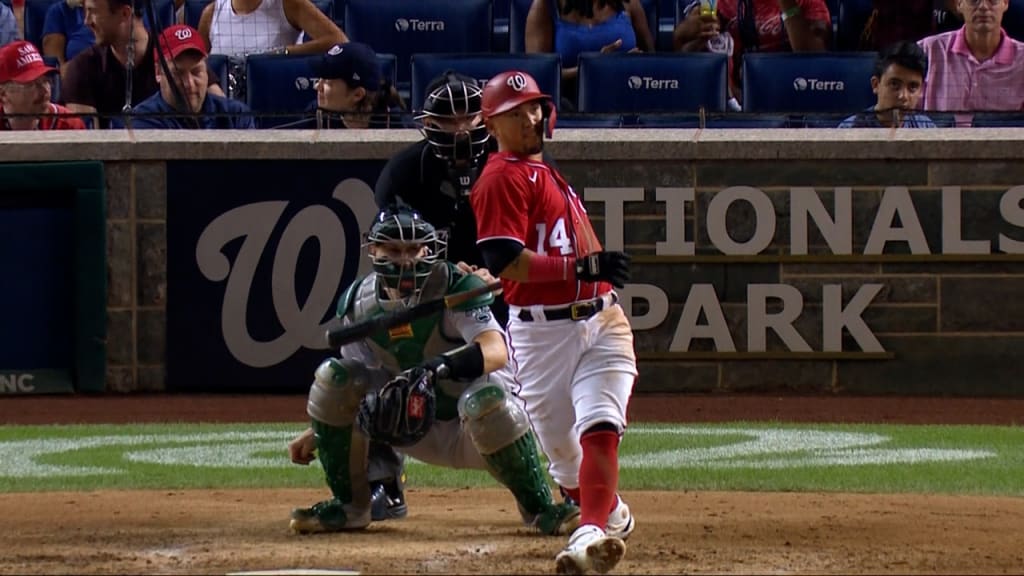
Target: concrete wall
x,y
947,322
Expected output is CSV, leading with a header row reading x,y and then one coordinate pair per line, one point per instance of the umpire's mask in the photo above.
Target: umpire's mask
x,y
451,121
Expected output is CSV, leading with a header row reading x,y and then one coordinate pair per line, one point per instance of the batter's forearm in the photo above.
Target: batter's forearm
x,y
529,266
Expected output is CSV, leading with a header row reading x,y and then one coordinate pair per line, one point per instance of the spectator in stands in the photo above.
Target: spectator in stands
x,y
25,92
570,27
898,81
978,67
242,27
8,25
894,21
754,26
350,92
95,81
64,31
183,89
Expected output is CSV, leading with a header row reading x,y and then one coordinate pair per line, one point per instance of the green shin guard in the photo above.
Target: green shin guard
x,y
333,448
518,467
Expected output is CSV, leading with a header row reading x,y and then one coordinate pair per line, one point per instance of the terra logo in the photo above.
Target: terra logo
x,y
801,84
407,24
649,83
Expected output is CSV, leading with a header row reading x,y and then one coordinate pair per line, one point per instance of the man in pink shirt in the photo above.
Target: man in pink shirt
x,y
978,67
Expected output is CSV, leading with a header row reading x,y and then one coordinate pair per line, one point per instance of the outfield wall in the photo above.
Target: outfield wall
x,y
790,261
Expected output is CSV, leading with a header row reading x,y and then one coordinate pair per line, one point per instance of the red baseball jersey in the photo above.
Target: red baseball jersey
x,y
526,201
51,122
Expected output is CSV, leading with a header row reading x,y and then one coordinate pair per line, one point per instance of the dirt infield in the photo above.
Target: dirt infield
x,y
477,531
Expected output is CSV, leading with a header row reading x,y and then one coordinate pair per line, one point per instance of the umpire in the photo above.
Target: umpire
x,y
435,175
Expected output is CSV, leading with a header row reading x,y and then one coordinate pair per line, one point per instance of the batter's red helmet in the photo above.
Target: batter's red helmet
x,y
509,89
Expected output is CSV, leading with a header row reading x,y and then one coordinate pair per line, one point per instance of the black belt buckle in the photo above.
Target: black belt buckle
x,y
582,310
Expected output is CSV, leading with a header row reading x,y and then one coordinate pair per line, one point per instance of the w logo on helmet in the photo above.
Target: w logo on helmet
x,y
183,33
517,82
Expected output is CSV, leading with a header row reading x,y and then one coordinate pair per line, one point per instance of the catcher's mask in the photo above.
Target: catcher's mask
x,y
404,249
402,412
451,119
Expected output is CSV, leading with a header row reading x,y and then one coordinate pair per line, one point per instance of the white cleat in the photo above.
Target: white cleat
x,y
620,521
590,550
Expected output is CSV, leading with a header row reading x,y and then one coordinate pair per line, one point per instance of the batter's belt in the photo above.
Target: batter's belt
x,y
575,311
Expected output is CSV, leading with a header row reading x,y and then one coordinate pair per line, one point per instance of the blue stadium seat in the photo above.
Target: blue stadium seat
x,y
500,11
405,28
545,68
279,84
35,16
325,6
517,25
853,15
808,82
54,78
714,121
285,84
590,121
672,82
1013,20
165,15
999,119
219,64
194,10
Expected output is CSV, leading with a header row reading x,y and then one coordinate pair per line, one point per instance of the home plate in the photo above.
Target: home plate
x,y
296,572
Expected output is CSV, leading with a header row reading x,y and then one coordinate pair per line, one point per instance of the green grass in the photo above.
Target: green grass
x,y
736,456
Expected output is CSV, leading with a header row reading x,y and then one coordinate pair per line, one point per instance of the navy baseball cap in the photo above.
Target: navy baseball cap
x,y
354,62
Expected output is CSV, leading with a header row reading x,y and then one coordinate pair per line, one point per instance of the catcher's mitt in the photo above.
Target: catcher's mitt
x,y
402,411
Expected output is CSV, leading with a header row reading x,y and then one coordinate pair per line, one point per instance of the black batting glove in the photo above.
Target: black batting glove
x,y
609,266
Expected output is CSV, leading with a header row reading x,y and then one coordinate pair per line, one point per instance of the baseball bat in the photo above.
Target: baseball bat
x,y
340,335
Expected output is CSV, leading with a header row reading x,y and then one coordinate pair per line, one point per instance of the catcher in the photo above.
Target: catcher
x,y
438,388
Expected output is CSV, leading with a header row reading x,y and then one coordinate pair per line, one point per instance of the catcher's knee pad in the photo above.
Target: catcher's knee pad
x,y
492,416
338,387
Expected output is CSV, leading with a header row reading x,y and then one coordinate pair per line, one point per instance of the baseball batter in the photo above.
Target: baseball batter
x,y
571,343
438,387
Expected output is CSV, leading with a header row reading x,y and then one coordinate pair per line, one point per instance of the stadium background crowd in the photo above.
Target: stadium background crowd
x,y
74,64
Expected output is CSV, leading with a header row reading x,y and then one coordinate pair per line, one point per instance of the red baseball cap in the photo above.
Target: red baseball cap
x,y
177,39
507,90
21,62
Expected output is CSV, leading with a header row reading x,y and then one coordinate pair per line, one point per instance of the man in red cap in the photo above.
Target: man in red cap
x,y
25,92
183,101
571,343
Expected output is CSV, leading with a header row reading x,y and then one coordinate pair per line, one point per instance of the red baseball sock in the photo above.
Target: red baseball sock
x,y
599,476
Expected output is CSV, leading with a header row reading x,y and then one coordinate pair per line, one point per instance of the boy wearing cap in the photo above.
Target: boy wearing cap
x,y
183,101
25,92
351,92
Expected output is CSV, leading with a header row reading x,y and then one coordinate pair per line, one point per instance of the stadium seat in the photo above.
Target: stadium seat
x,y
517,25
998,119
544,68
405,28
808,82
636,83
284,85
520,9
165,14
712,121
279,84
500,11
325,6
853,15
590,121
194,10
219,64
54,78
35,16
1013,20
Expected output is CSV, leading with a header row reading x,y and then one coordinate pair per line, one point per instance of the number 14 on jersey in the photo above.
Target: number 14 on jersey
x,y
558,238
